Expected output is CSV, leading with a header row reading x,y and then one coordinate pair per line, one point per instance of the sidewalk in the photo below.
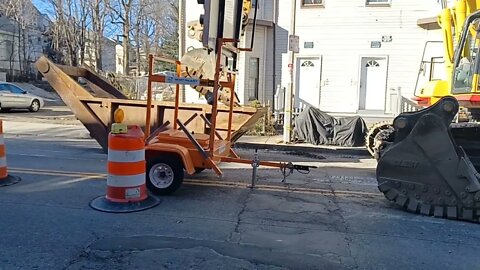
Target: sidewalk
x,y
276,143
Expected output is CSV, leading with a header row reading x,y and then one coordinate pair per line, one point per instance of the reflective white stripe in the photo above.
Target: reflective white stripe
x,y
126,180
2,141
126,156
3,162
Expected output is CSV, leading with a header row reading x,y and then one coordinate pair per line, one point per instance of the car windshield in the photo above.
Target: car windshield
x,y
14,89
3,87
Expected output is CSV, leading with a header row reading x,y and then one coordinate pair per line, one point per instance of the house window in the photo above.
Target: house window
x,y
307,64
372,63
313,2
253,78
378,2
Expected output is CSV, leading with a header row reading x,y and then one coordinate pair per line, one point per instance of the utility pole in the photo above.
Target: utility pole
x,y
181,39
287,115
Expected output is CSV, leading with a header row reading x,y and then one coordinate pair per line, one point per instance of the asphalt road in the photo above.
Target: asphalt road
x,y
332,218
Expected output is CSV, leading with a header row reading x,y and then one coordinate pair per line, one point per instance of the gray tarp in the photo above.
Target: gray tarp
x,y
317,127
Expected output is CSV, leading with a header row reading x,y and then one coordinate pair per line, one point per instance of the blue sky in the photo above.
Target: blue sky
x,y
44,7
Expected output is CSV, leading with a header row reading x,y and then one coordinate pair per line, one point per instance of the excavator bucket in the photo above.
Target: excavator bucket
x,y
424,171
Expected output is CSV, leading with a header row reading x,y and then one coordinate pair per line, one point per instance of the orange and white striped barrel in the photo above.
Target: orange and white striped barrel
x,y
3,155
126,166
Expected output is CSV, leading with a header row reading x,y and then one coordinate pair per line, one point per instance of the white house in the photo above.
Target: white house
x,y
109,53
353,56
14,50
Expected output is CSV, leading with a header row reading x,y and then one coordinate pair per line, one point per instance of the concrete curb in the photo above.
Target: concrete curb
x,y
359,151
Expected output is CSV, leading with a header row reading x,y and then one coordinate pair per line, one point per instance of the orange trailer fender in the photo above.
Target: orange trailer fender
x,y
157,149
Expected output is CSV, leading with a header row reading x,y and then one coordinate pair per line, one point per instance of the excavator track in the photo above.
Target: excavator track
x,y
379,137
424,171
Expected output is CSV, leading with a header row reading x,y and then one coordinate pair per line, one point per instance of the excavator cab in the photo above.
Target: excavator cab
x,y
466,66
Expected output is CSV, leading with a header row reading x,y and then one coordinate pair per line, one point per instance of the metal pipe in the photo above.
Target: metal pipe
x,y
181,38
230,112
149,97
255,165
274,52
287,121
215,96
177,95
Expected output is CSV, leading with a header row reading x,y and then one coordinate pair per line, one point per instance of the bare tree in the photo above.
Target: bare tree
x,y
70,28
22,14
145,25
99,13
121,15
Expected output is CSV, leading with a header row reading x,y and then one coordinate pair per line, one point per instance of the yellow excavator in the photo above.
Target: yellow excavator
x,y
461,79
459,26
424,161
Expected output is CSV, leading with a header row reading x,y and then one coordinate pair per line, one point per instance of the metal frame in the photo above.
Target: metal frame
x,y
209,154
95,108
229,46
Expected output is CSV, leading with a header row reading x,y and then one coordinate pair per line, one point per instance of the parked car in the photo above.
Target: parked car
x,y
14,97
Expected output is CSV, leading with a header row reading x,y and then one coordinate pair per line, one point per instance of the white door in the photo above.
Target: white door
x,y
307,90
373,84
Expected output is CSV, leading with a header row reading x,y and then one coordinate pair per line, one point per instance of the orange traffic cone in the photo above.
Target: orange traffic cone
x,y
126,188
5,178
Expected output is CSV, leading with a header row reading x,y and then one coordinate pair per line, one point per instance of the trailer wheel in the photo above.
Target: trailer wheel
x,y
164,174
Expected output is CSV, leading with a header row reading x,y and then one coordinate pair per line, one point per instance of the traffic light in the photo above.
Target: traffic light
x,y
221,19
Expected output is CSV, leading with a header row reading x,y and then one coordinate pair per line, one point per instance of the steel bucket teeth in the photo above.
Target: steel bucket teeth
x,y
424,171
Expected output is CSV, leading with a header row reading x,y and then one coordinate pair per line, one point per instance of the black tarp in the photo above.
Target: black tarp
x,y
317,127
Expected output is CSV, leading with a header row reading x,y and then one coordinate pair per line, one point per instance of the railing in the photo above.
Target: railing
x,y
279,116
398,104
406,105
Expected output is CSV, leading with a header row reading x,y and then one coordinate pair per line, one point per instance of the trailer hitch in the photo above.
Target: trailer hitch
x,y
289,168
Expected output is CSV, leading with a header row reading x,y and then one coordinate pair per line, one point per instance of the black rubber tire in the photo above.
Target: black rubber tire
x,y
175,164
32,109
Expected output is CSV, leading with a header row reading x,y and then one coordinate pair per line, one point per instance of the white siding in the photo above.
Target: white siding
x,y
192,13
342,32
263,49
265,72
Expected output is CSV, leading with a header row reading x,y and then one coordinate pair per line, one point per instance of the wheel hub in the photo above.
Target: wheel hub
x,y
161,175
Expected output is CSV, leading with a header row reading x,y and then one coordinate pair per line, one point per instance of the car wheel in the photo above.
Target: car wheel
x,y
164,174
35,106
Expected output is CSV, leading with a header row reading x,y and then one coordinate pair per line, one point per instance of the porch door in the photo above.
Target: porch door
x,y
307,90
373,83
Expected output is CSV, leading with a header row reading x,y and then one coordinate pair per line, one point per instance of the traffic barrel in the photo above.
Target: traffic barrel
x,y
126,187
5,178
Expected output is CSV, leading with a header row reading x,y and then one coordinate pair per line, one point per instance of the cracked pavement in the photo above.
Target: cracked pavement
x,y
332,218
